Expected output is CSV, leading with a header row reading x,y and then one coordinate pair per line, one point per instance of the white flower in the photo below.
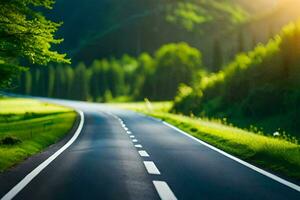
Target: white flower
x,y
276,134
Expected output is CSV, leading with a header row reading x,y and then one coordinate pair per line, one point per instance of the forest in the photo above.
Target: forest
x,y
217,59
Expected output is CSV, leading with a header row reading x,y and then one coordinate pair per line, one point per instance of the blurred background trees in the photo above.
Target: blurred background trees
x,y
133,78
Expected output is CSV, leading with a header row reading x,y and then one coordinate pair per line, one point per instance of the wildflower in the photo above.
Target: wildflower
x,y
276,134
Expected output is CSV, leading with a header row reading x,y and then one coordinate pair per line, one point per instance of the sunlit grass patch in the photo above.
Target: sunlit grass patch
x,y
28,126
22,106
146,106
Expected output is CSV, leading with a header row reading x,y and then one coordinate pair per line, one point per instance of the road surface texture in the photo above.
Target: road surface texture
x,y
124,155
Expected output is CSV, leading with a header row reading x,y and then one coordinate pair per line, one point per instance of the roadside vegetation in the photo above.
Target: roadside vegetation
x,y
275,154
29,126
260,87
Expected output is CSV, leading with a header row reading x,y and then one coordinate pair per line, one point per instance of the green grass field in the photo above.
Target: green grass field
x,y
28,126
277,155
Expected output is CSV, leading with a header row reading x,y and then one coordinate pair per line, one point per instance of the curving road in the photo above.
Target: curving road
x,y
123,155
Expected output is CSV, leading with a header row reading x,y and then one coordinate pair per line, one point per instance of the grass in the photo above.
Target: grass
x,y
28,126
277,155
145,107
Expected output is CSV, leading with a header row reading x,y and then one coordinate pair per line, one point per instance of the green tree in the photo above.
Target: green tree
x,y
144,70
129,65
60,89
28,83
69,73
217,56
80,84
241,42
175,64
115,78
51,80
102,77
26,34
95,80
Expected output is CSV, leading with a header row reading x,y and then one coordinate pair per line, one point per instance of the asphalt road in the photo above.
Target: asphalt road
x,y
123,155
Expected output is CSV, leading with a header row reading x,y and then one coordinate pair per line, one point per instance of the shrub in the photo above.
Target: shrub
x,y
10,140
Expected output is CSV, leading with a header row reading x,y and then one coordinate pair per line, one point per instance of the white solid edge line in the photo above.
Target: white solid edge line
x,y
164,191
143,153
151,168
261,171
26,180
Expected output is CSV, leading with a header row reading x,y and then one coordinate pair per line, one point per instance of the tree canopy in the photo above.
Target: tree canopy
x,y
26,37
176,64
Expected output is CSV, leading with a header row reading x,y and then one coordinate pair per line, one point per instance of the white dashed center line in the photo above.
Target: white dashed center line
x,y
143,153
151,168
164,190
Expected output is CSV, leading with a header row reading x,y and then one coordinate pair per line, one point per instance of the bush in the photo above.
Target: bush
x,y
10,140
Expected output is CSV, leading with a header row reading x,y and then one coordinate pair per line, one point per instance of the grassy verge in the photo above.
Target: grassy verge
x,y
277,155
28,126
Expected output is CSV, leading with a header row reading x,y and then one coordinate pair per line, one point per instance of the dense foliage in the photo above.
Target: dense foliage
x,y
25,35
144,25
259,87
128,78
113,27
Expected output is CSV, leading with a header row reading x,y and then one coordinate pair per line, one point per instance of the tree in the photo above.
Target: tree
x,y
51,81
175,64
115,78
26,34
254,40
69,72
60,89
217,56
36,75
80,84
129,65
28,83
144,70
95,80
241,42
